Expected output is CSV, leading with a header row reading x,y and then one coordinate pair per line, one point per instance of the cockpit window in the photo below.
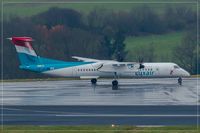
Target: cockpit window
x,y
176,67
130,66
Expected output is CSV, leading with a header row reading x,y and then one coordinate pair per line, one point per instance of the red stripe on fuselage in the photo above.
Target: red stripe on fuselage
x,y
22,41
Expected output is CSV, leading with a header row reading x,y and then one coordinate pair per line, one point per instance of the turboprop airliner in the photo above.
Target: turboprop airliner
x,y
87,68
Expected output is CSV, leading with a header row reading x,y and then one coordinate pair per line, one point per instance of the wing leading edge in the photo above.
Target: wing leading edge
x,y
85,59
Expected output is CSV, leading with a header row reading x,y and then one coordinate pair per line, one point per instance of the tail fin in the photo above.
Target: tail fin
x,y
26,53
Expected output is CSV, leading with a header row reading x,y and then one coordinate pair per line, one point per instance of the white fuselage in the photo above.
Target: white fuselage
x,y
151,70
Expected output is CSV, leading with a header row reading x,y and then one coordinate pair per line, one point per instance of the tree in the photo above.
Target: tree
x,y
186,53
145,20
119,47
179,18
59,16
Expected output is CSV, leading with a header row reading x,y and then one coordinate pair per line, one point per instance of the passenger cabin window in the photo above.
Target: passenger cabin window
x,y
176,67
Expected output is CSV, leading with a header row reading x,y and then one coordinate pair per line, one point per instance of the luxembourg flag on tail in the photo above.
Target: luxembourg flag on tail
x,y
23,45
26,53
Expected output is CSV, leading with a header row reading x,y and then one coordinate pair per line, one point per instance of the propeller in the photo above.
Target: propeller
x,y
141,63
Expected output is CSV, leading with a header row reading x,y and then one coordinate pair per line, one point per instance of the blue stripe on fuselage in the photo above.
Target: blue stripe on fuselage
x,y
40,64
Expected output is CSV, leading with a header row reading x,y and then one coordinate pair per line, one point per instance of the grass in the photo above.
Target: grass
x,y
195,76
99,129
163,45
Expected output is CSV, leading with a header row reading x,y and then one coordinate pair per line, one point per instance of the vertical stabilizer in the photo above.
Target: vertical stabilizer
x,y
26,53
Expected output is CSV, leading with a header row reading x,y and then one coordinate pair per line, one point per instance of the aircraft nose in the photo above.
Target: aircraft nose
x,y
185,73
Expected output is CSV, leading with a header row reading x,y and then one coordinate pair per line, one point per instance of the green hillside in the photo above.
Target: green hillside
x,y
28,9
163,45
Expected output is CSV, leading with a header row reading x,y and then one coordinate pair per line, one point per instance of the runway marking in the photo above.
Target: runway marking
x,y
126,115
38,111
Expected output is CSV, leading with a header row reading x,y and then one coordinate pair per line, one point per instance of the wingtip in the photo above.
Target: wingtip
x,y
75,57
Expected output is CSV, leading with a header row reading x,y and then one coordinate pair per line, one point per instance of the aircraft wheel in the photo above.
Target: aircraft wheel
x,y
180,81
115,83
93,81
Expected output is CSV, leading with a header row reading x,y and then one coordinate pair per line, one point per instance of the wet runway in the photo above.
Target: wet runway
x,y
81,92
77,102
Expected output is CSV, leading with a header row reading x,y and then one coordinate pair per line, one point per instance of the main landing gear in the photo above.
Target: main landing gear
x,y
93,81
115,82
179,80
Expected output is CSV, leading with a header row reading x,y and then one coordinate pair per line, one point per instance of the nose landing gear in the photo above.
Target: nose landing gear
x,y
180,81
115,85
93,81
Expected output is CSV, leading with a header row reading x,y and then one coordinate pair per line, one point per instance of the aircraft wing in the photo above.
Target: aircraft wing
x,y
118,66
110,65
90,59
85,59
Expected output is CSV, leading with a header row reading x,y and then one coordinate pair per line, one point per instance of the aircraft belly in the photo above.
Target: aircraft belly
x,y
63,72
99,74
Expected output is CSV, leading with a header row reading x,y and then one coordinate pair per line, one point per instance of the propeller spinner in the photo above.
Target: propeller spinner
x,y
141,63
